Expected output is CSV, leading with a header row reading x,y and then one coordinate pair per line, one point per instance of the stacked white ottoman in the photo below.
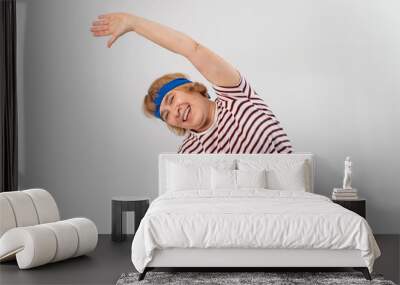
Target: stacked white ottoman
x,y
31,230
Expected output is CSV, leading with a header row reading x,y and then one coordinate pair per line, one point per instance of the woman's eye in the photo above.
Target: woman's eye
x,y
170,101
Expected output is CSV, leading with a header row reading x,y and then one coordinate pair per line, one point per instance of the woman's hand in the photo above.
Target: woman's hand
x,y
213,67
114,24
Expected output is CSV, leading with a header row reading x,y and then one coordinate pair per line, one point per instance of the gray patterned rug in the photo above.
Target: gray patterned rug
x,y
231,278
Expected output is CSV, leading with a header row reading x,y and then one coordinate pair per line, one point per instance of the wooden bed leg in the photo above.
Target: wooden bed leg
x,y
143,274
364,271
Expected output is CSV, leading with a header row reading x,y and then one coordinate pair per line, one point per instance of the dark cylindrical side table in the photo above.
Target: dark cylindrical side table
x,y
357,206
122,204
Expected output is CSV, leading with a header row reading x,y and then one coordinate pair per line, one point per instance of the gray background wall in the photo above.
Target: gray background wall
x,y
328,69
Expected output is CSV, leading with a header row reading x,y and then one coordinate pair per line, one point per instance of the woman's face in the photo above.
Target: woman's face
x,y
177,103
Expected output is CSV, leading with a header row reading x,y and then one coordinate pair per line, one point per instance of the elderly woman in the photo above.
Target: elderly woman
x,y
238,121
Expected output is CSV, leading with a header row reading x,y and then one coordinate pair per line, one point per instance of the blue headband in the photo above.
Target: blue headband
x,y
164,90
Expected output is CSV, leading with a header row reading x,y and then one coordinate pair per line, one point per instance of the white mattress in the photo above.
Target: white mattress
x,y
250,218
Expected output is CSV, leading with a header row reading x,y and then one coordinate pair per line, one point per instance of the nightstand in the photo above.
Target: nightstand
x,y
121,204
358,206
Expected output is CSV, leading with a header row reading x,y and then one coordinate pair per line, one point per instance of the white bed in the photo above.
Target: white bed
x,y
248,227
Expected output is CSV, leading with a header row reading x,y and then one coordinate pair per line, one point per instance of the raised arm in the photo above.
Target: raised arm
x,y
213,67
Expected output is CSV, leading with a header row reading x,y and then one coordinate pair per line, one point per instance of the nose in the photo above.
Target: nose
x,y
175,110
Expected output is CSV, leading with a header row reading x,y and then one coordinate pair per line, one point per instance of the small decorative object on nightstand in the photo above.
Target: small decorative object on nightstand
x,y
347,192
347,173
344,194
124,204
357,205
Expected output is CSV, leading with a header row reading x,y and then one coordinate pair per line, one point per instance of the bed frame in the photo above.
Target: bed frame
x,y
244,259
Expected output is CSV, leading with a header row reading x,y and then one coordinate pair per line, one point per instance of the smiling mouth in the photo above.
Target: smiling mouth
x,y
185,115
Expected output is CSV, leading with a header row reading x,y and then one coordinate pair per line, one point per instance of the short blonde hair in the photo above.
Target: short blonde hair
x,y
148,104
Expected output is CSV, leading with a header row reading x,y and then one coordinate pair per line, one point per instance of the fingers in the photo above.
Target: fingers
x,y
103,16
111,40
100,28
106,16
101,33
100,23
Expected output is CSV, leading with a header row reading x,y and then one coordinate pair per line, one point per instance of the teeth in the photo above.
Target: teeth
x,y
186,113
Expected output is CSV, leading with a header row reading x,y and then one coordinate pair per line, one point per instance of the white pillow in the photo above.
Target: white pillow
x,y
223,179
251,178
188,175
281,174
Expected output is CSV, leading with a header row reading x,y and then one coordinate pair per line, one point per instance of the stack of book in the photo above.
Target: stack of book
x,y
344,194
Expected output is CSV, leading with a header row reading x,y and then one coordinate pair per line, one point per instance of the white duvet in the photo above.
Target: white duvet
x,y
250,218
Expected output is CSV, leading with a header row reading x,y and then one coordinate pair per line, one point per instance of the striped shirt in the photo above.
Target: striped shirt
x,y
243,123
